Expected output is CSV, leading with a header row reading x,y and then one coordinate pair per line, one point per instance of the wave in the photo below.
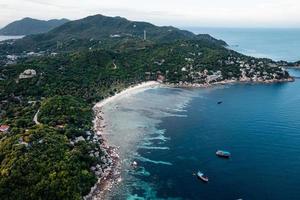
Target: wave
x,y
155,148
143,159
160,137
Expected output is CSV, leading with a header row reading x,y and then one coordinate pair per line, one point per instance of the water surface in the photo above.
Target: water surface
x,y
172,133
277,44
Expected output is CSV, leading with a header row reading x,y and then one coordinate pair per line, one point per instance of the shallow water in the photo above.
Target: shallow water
x,y
132,125
172,133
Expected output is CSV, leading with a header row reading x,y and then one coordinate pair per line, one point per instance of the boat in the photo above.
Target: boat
x,y
223,154
220,102
134,164
202,177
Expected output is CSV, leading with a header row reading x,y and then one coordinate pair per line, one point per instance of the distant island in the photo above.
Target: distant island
x,y
50,82
29,26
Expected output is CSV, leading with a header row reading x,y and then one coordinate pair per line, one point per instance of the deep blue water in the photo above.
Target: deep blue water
x,y
278,44
258,124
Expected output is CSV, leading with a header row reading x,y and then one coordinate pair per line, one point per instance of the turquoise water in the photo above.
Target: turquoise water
x,y
278,44
172,133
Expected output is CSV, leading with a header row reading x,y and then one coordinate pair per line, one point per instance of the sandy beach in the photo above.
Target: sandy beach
x,y
111,170
131,90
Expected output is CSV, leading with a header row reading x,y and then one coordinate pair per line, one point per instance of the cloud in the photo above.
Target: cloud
x,y
167,12
3,5
52,3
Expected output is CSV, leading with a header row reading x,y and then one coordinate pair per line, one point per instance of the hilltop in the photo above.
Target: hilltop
x,y
100,31
101,27
29,26
59,76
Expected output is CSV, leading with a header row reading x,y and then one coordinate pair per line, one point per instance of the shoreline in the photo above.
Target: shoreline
x,y
112,173
128,91
226,82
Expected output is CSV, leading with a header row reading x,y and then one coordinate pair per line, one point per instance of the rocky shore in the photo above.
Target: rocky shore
x,y
108,173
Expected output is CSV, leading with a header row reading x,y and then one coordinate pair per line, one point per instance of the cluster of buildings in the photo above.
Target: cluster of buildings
x,y
256,70
232,68
13,58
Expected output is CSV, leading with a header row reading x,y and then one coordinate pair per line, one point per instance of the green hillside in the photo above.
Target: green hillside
x,y
102,32
29,26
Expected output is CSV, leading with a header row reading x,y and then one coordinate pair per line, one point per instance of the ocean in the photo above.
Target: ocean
x,y
173,133
277,44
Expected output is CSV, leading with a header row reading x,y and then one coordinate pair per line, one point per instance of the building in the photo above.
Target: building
x,y
28,73
4,128
160,78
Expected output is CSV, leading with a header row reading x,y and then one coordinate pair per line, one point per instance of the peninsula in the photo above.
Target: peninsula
x,y
56,78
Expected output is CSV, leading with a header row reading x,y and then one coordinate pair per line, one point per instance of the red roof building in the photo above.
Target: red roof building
x,y
4,128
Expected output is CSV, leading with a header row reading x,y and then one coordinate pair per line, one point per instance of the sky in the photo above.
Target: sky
x,y
201,13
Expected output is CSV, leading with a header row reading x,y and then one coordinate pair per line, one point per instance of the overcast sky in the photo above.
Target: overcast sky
x,y
216,13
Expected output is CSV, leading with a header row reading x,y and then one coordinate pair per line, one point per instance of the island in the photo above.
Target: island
x,y
28,26
50,137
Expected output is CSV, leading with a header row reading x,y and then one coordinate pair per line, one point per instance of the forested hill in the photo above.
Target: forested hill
x,y
28,26
104,32
48,149
101,27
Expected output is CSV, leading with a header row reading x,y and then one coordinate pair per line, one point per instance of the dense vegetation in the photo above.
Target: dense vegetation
x,y
65,111
102,32
53,160
41,164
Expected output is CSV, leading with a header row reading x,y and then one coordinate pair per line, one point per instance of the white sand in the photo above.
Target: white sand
x,y
98,191
128,91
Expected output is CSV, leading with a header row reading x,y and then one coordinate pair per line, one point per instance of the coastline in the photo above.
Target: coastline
x,y
128,91
225,82
111,171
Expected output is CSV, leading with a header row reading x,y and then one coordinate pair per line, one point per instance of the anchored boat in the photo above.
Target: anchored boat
x,y
202,177
223,154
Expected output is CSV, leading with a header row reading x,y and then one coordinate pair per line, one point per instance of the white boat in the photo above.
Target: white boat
x,y
223,154
202,177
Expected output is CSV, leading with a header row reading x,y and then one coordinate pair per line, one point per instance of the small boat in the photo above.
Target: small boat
x,y
201,176
223,154
220,102
134,164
